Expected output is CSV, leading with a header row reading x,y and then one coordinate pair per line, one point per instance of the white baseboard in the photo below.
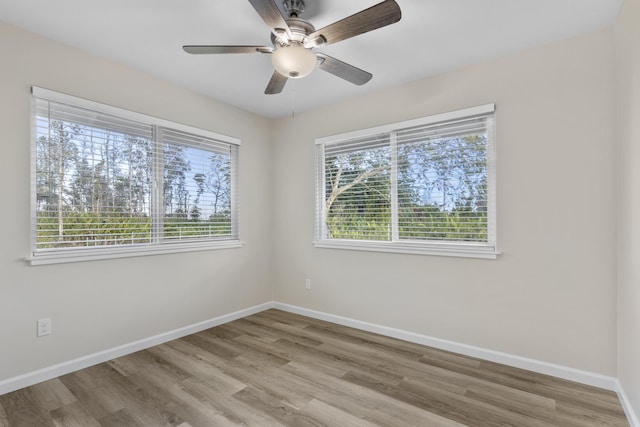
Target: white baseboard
x,y
632,417
567,373
64,368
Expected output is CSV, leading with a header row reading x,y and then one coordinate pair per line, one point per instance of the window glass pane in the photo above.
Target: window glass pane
x,y
93,185
197,187
357,186
442,189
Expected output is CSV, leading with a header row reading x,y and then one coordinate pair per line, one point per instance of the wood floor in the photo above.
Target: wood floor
x,y
276,368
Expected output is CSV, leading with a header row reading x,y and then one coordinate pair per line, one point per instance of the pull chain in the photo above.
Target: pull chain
x,y
293,98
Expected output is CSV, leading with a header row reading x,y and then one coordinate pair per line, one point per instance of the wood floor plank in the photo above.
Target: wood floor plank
x,y
143,408
276,408
120,418
450,405
178,399
228,405
4,419
330,357
287,318
252,328
201,369
340,336
213,344
367,403
99,400
52,394
281,369
132,363
287,331
21,409
329,415
254,347
588,416
328,361
543,385
259,373
73,415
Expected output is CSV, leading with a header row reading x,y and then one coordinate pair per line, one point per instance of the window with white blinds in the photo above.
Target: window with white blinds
x,y
421,186
109,183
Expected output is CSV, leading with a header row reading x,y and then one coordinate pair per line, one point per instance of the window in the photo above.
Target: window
x,y
110,183
424,186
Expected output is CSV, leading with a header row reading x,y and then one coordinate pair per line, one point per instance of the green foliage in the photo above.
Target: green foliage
x,y
90,229
87,229
431,223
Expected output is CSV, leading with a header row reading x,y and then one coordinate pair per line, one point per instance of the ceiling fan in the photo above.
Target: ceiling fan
x,y
293,39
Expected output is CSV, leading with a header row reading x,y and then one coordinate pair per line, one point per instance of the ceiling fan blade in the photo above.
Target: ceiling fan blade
x,y
270,14
207,49
343,70
378,16
276,84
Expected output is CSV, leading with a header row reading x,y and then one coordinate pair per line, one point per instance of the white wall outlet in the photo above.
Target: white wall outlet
x,y
44,327
307,284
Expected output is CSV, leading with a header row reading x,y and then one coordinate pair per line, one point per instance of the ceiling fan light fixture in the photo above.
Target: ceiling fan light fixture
x,y
294,61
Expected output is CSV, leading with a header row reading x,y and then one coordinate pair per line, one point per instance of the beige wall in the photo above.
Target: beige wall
x,y
627,35
100,305
551,294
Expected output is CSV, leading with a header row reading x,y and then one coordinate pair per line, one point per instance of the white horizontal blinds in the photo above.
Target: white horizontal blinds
x,y
93,119
197,187
442,181
357,204
93,183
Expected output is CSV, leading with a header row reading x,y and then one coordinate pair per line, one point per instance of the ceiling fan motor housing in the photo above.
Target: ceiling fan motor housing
x,y
299,28
294,8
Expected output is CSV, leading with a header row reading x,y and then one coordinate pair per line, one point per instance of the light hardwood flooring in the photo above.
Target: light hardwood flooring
x,y
276,368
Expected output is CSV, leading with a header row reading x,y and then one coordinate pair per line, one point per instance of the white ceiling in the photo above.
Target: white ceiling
x,y
433,36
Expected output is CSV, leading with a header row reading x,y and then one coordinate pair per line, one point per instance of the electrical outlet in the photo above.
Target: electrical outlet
x,y
307,284
44,327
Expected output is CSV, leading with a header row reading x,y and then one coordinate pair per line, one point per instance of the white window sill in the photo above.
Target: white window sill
x,y
465,250
90,254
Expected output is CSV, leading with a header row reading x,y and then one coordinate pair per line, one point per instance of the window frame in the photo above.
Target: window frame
x,y
75,254
484,250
